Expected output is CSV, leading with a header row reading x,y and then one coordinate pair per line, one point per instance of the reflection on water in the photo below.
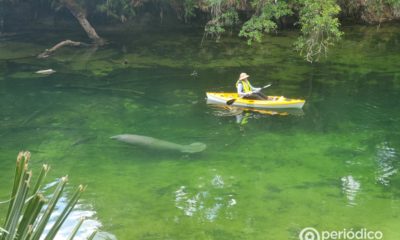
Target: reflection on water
x,y
350,188
243,115
82,210
386,157
227,110
208,202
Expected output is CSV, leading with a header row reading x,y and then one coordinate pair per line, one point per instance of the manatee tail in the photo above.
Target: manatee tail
x,y
194,147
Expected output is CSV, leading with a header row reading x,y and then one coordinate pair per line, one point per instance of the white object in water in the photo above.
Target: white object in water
x,y
46,71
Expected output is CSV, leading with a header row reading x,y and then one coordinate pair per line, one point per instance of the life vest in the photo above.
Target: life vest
x,y
245,84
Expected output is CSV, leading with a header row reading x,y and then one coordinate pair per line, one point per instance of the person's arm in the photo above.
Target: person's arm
x,y
254,89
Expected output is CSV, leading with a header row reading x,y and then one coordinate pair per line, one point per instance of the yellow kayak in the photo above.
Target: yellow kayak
x,y
272,102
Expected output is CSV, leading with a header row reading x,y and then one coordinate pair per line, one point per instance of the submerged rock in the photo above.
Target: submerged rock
x,y
46,71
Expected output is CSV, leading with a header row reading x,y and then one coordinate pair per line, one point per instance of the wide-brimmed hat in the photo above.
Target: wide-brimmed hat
x,y
243,76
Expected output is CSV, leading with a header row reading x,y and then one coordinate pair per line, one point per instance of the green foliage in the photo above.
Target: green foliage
x,y
375,6
393,3
189,6
121,10
118,9
319,28
223,14
29,212
380,6
263,21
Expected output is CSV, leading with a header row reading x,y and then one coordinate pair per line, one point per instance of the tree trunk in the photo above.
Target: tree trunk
x,y
80,15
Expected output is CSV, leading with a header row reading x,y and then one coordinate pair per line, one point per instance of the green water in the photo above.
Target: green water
x,y
332,167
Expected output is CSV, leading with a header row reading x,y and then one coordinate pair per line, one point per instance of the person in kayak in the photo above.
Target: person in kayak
x,y
246,90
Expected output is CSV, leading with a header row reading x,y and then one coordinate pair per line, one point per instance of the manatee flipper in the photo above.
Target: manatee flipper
x,y
194,147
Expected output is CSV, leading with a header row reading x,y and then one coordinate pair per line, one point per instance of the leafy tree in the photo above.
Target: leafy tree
x,y
264,19
317,19
118,9
223,14
319,27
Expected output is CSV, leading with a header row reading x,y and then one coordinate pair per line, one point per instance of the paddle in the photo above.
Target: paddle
x,y
231,101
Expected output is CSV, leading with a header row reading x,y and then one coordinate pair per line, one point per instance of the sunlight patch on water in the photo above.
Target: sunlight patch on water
x,y
208,202
350,188
386,157
81,210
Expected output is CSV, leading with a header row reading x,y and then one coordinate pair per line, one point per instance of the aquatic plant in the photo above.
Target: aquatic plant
x,y
29,211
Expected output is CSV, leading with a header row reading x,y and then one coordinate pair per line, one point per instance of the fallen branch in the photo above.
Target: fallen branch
x,y
50,51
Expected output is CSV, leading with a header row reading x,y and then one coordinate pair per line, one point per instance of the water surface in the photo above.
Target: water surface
x,y
332,167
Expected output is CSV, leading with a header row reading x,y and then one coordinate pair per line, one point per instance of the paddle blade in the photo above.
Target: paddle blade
x,y
269,85
230,101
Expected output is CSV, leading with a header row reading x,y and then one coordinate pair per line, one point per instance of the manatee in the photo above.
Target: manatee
x,y
159,144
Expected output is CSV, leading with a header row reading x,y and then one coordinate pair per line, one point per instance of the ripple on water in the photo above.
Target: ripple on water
x,y
386,158
82,210
350,188
208,201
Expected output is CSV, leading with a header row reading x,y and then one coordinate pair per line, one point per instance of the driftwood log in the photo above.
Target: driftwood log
x,y
50,51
